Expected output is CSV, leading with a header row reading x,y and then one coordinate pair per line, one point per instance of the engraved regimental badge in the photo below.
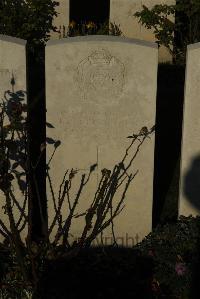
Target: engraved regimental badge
x,y
100,76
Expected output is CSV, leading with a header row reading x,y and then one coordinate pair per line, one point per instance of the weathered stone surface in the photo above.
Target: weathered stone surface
x,y
99,91
189,202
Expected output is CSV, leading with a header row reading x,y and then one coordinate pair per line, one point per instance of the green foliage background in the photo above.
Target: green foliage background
x,y
28,19
174,35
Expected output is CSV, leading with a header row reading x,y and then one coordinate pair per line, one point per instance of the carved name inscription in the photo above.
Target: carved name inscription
x,y
100,76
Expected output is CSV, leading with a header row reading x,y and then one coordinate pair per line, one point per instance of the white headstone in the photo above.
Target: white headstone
x,y
189,202
12,63
122,13
13,79
62,19
100,90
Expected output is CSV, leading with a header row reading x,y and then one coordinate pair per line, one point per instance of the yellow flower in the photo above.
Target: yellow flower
x,y
90,25
72,24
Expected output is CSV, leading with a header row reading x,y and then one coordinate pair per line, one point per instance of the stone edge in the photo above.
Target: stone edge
x,y
11,39
97,38
193,46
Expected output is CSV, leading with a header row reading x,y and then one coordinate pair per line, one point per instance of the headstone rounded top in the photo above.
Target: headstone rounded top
x,y
12,39
96,38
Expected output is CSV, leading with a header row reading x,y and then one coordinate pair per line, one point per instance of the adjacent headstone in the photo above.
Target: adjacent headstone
x,y
12,63
62,19
122,13
189,202
99,90
13,79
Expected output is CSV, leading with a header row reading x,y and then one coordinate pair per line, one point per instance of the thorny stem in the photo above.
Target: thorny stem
x,y
17,242
103,198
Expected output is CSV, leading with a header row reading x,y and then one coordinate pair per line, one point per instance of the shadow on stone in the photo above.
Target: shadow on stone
x,y
191,183
191,189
